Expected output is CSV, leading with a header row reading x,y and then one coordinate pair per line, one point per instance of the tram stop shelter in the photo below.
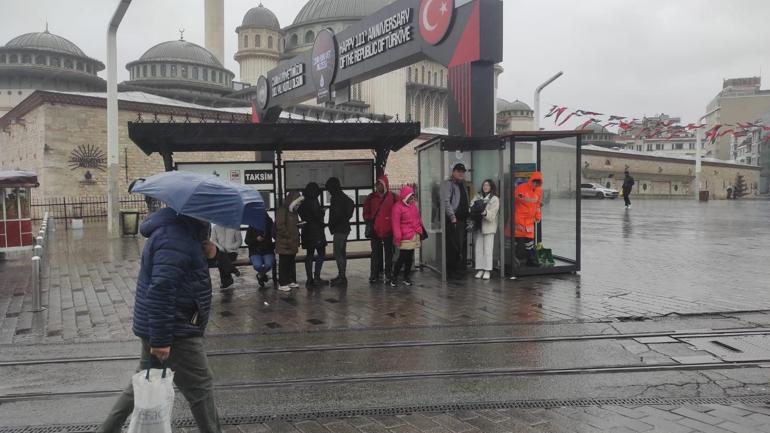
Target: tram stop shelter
x,y
508,160
15,216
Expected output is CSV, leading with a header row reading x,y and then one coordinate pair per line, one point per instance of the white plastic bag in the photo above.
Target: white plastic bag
x,y
153,401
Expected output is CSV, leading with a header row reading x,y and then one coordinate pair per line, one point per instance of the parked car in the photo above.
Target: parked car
x,y
593,190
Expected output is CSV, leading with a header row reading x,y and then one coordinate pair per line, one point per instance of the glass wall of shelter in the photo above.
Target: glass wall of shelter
x,y
509,161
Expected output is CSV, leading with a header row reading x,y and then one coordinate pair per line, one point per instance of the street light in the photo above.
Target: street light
x,y
698,152
537,97
113,200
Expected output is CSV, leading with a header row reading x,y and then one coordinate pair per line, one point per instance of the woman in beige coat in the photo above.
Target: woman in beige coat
x,y
484,237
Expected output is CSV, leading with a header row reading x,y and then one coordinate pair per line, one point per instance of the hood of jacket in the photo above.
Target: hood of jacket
x,y
167,217
535,176
384,180
290,199
333,185
406,191
311,191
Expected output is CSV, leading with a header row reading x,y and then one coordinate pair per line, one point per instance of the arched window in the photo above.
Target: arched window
x,y
442,79
257,41
153,70
435,78
245,41
417,109
437,112
195,73
68,63
144,71
269,42
2,58
422,79
309,37
184,71
40,60
162,70
205,75
294,40
13,58
26,58
55,61
409,74
173,70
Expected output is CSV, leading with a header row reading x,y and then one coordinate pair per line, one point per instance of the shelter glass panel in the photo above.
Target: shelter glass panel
x,y
558,230
486,166
430,206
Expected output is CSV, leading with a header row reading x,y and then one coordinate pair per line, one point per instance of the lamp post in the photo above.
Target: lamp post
x,y
537,97
698,146
113,197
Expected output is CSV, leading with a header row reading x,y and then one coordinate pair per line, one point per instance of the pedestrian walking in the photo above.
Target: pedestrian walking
x,y
313,235
340,211
488,206
228,242
527,206
171,311
287,241
456,203
408,233
628,186
378,209
261,250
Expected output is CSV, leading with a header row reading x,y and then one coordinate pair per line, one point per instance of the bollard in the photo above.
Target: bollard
x,y
38,252
40,240
36,284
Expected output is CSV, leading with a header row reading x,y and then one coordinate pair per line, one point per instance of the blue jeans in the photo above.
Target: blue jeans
x,y
262,264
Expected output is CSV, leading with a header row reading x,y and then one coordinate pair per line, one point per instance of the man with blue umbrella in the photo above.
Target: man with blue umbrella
x,y
173,289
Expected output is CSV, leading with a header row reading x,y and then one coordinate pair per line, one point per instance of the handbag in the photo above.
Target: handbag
x,y
369,228
153,401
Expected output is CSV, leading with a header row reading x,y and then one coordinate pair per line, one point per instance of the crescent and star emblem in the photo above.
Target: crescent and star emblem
x,y
440,13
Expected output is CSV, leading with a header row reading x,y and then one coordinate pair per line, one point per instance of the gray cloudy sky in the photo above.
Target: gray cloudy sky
x,y
625,57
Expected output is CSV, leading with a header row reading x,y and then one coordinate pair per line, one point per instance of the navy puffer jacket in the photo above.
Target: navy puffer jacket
x,y
173,290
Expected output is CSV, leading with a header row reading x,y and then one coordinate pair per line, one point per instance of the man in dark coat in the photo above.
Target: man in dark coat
x,y
340,211
628,186
261,250
173,298
313,236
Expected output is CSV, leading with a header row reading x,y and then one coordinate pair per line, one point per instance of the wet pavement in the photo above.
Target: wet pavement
x,y
664,329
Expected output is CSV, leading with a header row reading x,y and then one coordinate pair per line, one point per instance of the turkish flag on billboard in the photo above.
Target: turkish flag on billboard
x,y
435,19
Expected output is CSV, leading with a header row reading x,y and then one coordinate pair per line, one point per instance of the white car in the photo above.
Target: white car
x,y
594,190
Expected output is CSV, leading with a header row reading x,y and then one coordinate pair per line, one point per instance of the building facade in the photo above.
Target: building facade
x,y
741,100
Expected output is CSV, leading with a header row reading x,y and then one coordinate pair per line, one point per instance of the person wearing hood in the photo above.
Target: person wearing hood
x,y
408,232
313,235
171,311
528,201
378,209
341,210
287,241
228,242
261,250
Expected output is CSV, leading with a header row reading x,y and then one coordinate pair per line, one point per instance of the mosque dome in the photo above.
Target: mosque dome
x,y
45,41
323,10
504,106
180,51
261,17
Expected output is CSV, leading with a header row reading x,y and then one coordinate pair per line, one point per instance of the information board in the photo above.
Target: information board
x,y
351,173
257,174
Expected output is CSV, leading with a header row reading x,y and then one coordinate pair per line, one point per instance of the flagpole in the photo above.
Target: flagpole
x,y
537,97
698,152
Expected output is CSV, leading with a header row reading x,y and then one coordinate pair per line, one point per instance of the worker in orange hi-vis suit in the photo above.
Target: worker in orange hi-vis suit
x,y
528,200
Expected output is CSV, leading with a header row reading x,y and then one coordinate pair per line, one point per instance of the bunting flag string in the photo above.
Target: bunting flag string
x,y
651,128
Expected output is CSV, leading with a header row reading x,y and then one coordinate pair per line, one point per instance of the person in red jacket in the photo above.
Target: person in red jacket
x,y
528,200
407,233
378,208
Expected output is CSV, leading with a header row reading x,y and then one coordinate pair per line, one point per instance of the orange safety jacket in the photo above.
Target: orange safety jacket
x,y
528,200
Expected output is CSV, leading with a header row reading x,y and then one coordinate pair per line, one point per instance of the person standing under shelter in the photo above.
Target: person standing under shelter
x,y
228,242
408,233
261,250
313,235
287,241
454,197
628,186
340,211
378,208
484,235
171,311
528,201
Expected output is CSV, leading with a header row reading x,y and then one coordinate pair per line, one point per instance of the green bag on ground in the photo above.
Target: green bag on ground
x,y
545,257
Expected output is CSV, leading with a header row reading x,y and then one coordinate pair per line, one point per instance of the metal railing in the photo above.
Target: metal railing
x,y
39,262
88,208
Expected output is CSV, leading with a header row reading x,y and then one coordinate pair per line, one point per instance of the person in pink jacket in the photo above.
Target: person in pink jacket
x,y
407,233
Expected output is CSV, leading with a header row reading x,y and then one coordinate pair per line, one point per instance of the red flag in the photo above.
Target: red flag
x,y
613,118
254,115
552,111
574,113
559,111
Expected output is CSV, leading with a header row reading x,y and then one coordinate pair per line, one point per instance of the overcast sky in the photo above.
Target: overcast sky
x,y
625,57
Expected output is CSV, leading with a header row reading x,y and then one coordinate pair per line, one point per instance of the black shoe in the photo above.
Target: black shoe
x,y
227,283
318,281
339,281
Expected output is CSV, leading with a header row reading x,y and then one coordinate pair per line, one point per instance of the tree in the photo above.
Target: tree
x,y
739,189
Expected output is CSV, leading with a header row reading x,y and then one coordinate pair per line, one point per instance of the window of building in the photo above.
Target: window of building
x,y
144,71
81,66
442,78
435,78
162,70
183,70
195,73
205,75
678,146
40,60
422,79
153,70
639,148
270,42
245,41
2,58
294,40
748,148
659,146
649,147
309,37
173,70
13,58
221,77
55,61
692,146
68,63
257,41
89,68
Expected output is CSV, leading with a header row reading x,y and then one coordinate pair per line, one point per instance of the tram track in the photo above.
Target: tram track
x,y
414,376
737,332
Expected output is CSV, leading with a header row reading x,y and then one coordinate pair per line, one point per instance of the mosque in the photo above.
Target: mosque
x,y
53,102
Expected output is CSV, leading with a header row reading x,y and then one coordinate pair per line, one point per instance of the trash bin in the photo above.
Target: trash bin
x,y
129,221
704,196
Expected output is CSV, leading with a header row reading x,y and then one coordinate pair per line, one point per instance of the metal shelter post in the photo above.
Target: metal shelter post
x,y
443,218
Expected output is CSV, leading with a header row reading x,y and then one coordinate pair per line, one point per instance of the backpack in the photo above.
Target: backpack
x,y
477,214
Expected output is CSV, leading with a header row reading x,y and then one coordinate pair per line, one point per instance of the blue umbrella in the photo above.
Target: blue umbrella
x,y
206,197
